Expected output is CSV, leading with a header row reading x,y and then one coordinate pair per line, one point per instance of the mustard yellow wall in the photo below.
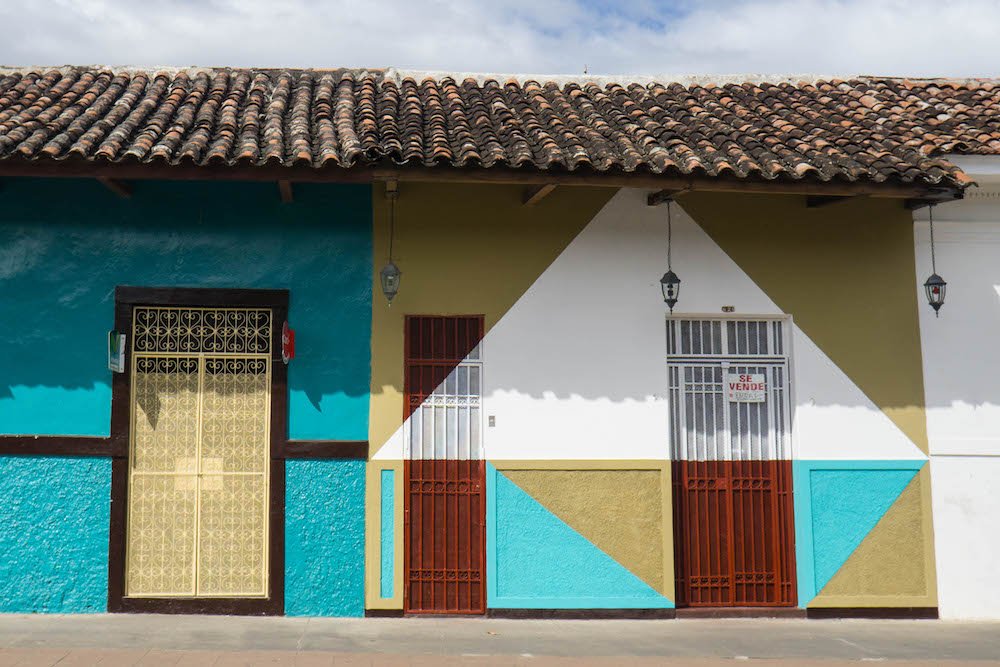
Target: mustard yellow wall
x,y
463,250
846,273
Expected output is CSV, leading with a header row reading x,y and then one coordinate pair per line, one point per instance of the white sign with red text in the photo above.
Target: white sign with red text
x,y
746,387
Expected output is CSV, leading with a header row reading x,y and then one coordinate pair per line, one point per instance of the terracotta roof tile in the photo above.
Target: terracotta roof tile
x,y
863,129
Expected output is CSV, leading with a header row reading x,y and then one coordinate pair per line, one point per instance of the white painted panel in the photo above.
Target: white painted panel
x,y
577,369
967,543
961,348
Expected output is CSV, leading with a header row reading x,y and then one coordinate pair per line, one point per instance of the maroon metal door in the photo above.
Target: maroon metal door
x,y
734,539
445,500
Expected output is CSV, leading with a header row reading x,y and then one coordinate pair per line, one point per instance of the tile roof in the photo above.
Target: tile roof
x,y
876,130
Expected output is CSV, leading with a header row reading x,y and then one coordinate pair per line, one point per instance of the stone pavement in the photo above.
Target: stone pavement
x,y
140,639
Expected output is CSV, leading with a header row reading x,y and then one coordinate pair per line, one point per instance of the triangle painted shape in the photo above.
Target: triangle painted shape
x,y
540,562
890,560
846,506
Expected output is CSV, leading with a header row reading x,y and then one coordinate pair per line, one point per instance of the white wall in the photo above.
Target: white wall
x,y
961,357
576,369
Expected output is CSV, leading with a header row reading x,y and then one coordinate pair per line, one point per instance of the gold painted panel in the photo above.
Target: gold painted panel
x,y
161,535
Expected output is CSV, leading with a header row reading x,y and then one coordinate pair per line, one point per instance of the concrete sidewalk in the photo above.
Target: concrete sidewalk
x,y
222,641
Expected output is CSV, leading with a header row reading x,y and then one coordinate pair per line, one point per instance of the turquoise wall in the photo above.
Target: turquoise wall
x,y
54,517
325,538
534,560
837,503
66,244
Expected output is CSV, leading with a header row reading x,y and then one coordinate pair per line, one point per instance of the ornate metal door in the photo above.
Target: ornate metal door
x,y
197,522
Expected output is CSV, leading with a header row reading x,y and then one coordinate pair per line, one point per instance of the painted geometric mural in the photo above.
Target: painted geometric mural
x,y
537,560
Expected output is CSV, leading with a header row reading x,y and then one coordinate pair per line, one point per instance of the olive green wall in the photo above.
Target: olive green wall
x,y
846,273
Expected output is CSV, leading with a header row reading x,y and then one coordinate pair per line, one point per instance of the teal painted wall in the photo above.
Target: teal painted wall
x,y
534,560
54,517
837,503
66,244
387,530
325,538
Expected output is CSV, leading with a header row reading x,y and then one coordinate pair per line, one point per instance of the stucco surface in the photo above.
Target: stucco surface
x,y
66,244
619,511
54,518
324,537
853,288
536,560
463,250
890,561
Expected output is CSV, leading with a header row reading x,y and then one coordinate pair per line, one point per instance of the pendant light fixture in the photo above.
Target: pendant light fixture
x,y
670,284
935,285
390,274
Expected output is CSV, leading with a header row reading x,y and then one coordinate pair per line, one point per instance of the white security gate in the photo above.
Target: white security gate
x,y
728,382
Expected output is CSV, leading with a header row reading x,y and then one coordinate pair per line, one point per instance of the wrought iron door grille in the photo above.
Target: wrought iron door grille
x,y
199,450
445,500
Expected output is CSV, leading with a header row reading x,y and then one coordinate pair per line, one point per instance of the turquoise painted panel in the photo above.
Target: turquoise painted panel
x,y
837,503
54,518
325,537
66,244
387,537
536,561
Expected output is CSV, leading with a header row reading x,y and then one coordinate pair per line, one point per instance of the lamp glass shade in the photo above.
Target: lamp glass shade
x,y
670,284
390,276
935,287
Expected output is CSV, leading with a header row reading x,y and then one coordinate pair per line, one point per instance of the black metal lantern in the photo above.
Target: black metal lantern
x,y
935,286
670,284
390,275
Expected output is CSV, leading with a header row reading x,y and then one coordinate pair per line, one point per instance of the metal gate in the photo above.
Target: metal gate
x,y
197,522
445,504
730,445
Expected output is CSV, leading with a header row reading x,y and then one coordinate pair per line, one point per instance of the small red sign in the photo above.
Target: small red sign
x,y
287,342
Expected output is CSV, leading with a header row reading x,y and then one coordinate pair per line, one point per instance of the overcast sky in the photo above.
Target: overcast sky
x,y
893,37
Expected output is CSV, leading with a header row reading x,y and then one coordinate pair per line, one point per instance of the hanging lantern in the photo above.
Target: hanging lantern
x,y
670,284
390,275
935,285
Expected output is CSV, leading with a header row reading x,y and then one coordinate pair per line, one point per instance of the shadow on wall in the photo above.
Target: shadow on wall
x,y
66,244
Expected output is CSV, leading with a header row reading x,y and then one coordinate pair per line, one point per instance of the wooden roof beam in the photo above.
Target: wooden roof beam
x,y
285,189
71,168
535,194
123,190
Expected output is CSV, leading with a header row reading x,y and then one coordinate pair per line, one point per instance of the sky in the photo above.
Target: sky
x,y
956,38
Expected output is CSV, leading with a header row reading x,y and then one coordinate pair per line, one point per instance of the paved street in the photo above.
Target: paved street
x,y
224,641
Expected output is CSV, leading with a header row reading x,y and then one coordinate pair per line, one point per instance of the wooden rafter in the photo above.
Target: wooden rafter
x,y
535,194
120,188
285,188
71,168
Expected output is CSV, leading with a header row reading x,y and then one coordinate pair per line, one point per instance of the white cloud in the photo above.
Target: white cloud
x,y
898,37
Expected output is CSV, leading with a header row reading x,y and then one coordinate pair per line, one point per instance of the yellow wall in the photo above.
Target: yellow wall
x,y
846,273
463,250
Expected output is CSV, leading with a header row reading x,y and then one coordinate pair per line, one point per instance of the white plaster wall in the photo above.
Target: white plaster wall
x,y
576,369
966,515
961,359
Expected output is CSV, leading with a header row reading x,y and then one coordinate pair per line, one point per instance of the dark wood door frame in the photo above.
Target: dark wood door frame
x,y
127,298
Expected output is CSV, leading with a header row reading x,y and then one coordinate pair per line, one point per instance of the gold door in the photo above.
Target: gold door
x,y
199,453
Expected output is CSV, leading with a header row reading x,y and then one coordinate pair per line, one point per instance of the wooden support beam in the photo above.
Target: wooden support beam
x,y
285,188
536,194
662,197
818,201
121,189
80,168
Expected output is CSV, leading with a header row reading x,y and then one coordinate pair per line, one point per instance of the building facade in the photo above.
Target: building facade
x,y
525,429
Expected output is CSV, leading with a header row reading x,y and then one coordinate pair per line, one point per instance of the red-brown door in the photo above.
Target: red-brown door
x,y
445,500
733,534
